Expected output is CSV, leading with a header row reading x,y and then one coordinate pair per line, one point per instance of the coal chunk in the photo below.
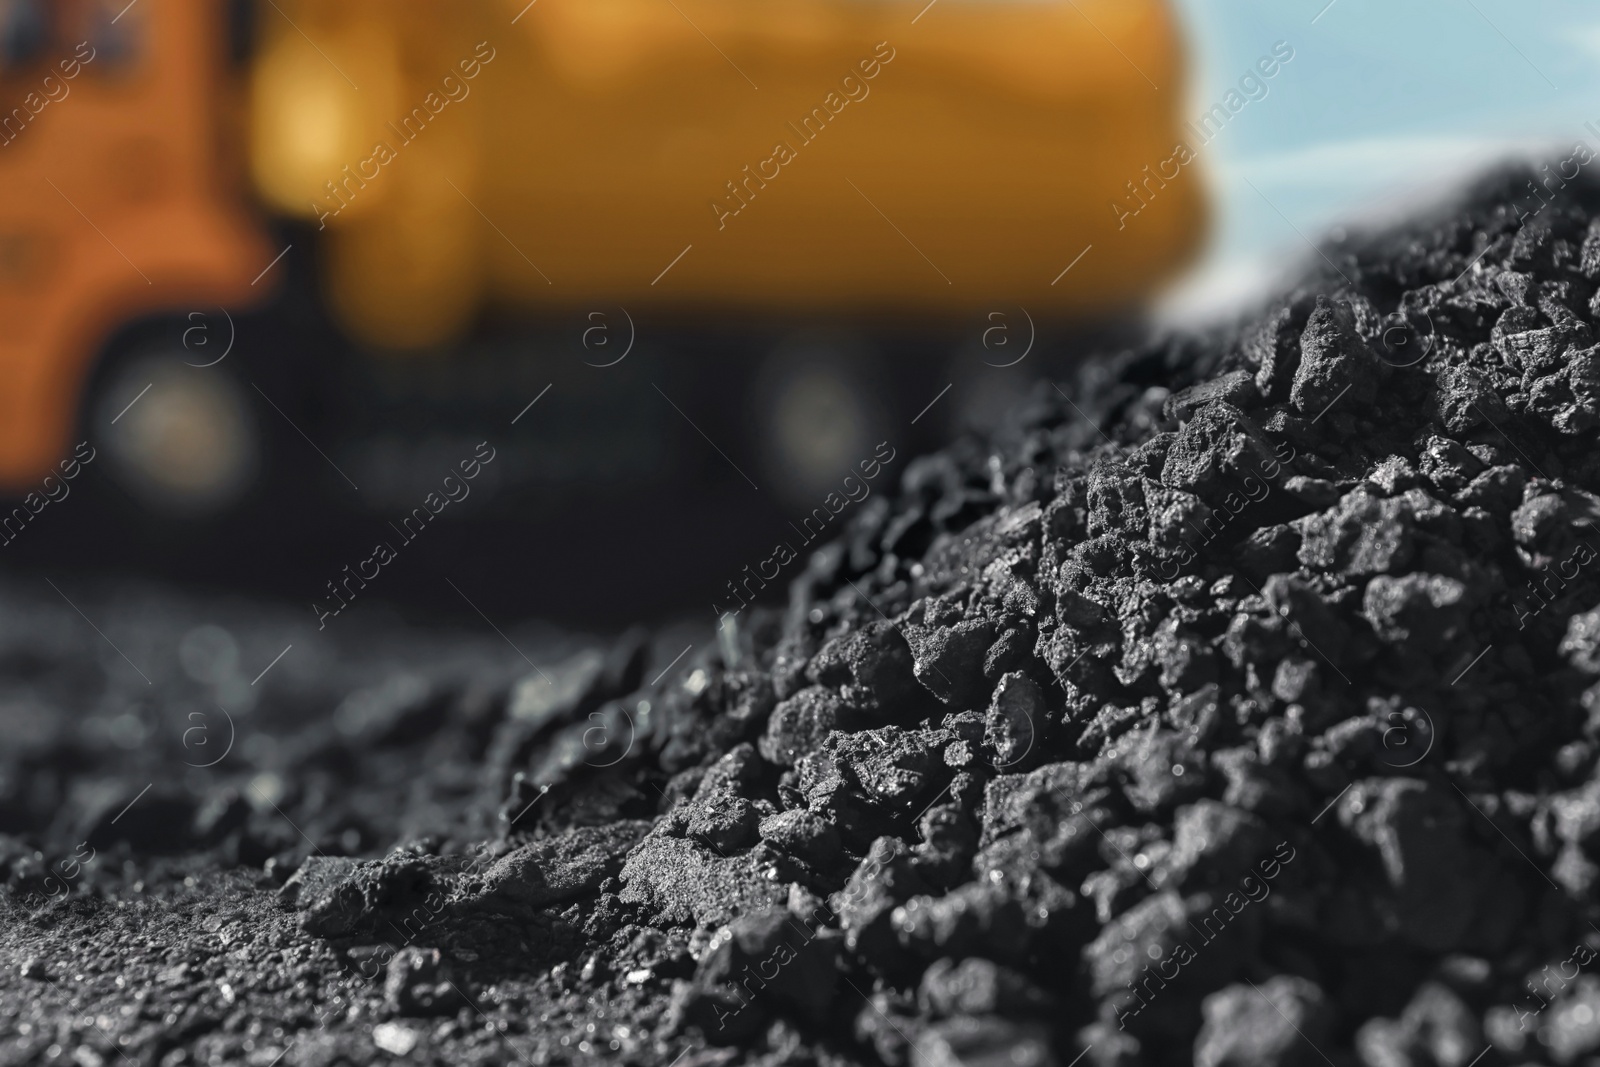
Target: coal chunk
x,y
1334,362
1016,715
1215,844
1437,1026
339,898
803,834
678,880
1237,388
986,1041
972,920
1217,448
948,660
417,982
1422,614
1363,534
801,723
770,957
886,876
556,869
873,668
1278,1023
1439,880
979,987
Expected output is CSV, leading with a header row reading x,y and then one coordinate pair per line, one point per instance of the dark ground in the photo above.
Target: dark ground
x,y
1240,709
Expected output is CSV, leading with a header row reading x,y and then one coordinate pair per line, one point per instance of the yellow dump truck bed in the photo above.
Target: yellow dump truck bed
x,y
796,156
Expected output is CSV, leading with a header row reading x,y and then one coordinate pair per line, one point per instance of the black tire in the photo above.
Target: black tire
x,y
182,441
819,404
196,451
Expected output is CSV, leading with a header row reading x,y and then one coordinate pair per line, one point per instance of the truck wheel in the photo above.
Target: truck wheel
x,y
183,441
818,406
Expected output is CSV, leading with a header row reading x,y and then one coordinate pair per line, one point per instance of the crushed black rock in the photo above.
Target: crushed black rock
x,y
1243,710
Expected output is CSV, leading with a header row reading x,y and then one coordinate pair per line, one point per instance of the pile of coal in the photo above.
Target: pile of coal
x,y
1238,704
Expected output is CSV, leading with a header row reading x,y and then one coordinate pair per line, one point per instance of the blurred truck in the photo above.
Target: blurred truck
x,y
236,237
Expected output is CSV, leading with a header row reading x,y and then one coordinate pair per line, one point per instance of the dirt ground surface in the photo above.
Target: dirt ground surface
x,y
1236,704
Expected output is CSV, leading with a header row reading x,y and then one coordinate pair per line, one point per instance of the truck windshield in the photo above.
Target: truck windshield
x,y
113,31
24,29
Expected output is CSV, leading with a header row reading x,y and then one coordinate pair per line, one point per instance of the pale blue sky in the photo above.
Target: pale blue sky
x,y
1386,103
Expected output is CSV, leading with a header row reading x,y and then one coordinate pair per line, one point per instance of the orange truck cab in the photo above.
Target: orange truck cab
x,y
118,200
799,161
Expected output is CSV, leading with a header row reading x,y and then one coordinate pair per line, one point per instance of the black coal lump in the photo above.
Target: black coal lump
x,y
762,963
804,834
418,983
1335,362
1280,1022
